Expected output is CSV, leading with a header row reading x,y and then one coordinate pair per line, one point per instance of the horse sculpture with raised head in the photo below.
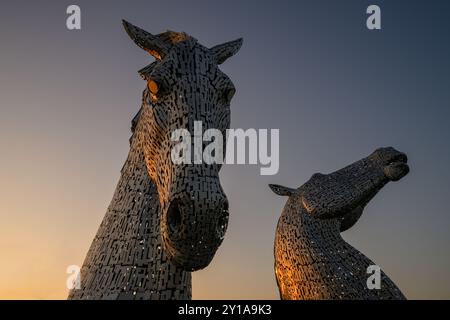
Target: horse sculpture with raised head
x,y
165,219
312,261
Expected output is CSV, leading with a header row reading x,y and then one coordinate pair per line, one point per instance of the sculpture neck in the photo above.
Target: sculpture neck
x,y
165,280
126,260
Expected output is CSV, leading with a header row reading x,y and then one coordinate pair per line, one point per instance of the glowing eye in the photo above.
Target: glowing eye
x,y
153,86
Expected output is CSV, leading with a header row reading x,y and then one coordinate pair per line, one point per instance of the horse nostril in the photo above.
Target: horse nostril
x,y
174,217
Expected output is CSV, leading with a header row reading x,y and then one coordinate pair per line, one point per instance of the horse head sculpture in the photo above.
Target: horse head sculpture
x,y
184,86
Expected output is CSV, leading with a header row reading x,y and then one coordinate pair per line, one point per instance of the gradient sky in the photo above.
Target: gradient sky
x,y
311,68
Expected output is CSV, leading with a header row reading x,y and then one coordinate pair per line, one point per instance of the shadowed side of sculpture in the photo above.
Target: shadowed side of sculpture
x,y
165,219
312,261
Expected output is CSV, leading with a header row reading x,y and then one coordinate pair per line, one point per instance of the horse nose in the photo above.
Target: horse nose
x,y
194,229
204,216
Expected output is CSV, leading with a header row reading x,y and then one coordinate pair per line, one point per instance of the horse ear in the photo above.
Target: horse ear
x,y
281,191
226,50
147,41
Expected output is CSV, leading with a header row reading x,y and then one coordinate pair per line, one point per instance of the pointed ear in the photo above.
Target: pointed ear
x,y
147,41
225,50
281,191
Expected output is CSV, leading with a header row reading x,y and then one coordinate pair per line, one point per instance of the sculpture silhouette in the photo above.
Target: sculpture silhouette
x,y
165,219
312,261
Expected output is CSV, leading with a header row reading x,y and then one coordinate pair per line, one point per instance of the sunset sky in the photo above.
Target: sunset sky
x,y
334,89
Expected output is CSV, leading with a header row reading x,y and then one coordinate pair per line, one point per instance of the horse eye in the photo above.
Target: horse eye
x,y
153,86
